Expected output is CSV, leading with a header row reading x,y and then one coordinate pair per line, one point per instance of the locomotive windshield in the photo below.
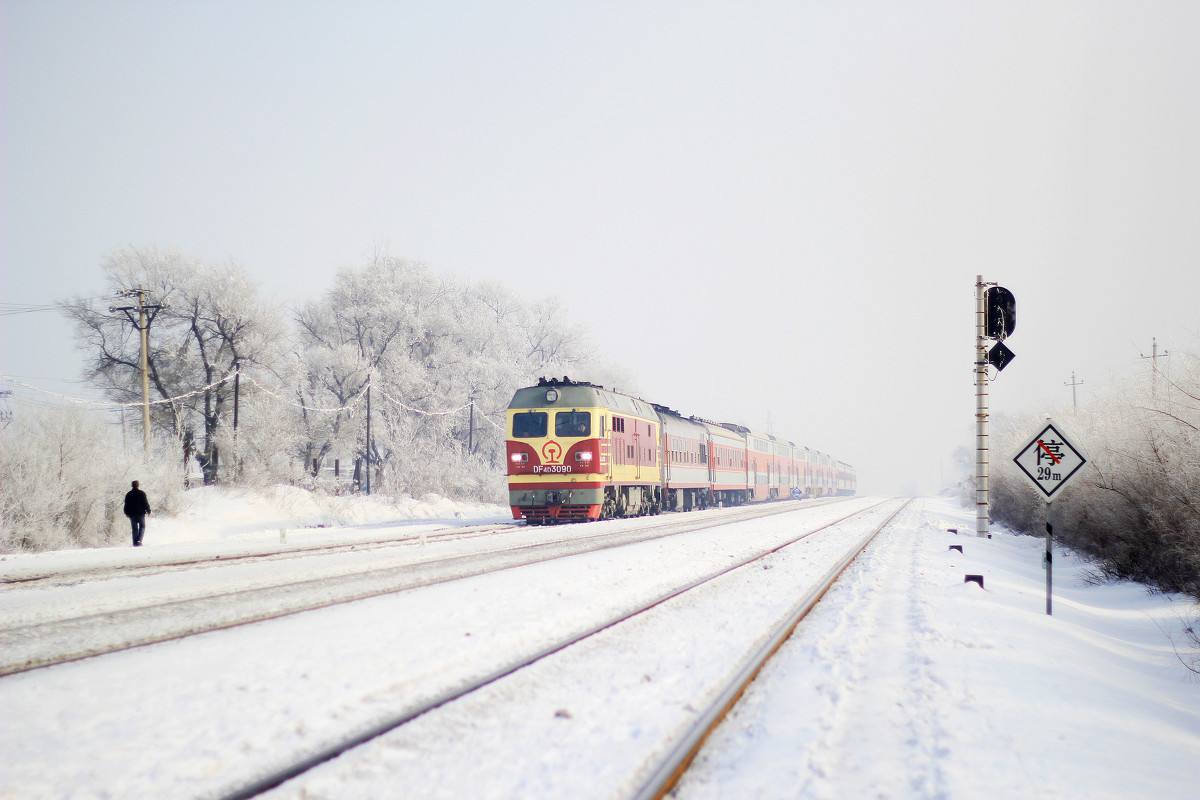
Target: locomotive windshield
x,y
530,425
572,423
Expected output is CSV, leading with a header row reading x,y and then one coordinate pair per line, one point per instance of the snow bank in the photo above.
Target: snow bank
x,y
213,513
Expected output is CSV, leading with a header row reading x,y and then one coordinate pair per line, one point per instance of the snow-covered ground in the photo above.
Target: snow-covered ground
x,y
908,682
904,682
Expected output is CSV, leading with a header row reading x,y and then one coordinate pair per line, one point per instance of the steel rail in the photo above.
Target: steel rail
x,y
359,738
260,604
671,768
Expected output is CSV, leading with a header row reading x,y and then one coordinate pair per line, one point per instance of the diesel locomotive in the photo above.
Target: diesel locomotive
x,y
579,452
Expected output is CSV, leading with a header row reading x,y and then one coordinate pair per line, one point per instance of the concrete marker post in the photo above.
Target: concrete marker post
x,y
1049,558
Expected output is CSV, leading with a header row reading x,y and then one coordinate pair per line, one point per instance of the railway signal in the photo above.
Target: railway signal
x,y
1001,313
995,320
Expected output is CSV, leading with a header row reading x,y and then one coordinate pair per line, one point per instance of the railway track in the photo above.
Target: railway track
x,y
666,774
358,738
26,647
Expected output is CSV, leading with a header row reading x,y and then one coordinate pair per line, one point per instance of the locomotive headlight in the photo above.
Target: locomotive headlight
x,y
551,395
518,458
584,456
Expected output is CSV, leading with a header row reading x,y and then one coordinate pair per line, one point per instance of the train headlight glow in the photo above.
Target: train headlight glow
x,y
517,458
584,456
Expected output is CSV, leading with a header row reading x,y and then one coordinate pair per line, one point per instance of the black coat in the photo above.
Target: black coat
x,y
136,503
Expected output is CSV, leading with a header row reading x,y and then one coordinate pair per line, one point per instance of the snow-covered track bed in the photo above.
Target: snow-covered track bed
x,y
206,716
37,631
111,563
483,725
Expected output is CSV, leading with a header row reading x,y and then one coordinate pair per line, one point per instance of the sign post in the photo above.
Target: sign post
x,y
1050,461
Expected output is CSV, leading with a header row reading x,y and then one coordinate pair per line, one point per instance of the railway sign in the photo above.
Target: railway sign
x,y
1049,460
1000,355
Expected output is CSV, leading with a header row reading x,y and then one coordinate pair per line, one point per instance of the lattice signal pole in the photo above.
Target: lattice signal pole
x,y
995,319
981,409
145,316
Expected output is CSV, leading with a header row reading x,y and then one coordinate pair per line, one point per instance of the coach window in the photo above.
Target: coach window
x,y
530,424
572,423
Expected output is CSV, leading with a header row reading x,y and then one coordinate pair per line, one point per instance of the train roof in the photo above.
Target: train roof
x,y
579,394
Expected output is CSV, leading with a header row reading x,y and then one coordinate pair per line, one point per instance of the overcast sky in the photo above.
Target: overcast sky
x,y
758,208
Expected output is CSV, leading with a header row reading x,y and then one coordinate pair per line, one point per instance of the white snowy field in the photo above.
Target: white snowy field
x,y
219,521
908,682
904,682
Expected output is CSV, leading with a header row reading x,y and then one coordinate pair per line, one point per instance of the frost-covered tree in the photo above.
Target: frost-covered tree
x,y
210,324
435,350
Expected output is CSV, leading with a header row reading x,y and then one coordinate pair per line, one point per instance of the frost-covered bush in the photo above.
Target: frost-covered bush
x,y
1137,505
65,478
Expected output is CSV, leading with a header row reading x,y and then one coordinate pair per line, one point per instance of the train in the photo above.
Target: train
x,y
578,452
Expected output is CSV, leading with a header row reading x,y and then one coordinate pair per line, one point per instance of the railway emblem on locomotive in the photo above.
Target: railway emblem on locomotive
x,y
552,452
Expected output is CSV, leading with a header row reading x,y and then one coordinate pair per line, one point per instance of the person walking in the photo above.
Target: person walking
x,y
137,506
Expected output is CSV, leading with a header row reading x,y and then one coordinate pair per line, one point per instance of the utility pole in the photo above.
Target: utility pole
x,y
471,426
145,316
982,517
368,454
237,379
1154,354
1073,383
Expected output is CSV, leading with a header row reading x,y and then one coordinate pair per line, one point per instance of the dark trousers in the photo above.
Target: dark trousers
x,y
139,529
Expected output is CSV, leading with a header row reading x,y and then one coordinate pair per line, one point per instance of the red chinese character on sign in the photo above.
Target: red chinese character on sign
x,y
1051,450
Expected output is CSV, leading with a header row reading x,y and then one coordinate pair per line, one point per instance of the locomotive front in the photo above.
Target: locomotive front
x,y
557,454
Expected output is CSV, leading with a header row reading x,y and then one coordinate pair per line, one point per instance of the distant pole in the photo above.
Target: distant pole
x,y
145,361
367,460
142,323
981,410
1154,365
1073,383
237,379
471,426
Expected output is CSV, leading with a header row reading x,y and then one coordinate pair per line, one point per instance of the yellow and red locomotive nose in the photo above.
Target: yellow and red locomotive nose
x,y
549,459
